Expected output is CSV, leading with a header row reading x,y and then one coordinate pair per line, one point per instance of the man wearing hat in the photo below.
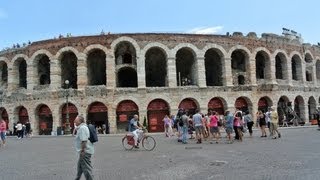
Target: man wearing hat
x,y
274,119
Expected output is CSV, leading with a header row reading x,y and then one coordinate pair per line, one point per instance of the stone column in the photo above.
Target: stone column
x,y
82,73
306,114
172,72
111,72
141,72
289,75
303,69
112,118
227,72
12,79
314,75
201,73
55,74
55,121
273,79
252,72
142,114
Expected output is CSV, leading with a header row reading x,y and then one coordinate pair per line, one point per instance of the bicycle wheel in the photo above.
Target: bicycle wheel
x,y
127,142
148,143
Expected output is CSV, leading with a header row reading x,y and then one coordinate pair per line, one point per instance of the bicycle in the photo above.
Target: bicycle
x,y
148,142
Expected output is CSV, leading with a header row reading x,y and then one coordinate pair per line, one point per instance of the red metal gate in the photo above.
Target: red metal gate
x,y
263,104
188,105
216,104
45,120
125,111
98,115
157,110
241,104
23,115
73,113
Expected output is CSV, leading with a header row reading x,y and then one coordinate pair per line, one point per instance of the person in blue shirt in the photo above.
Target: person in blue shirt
x,y
229,125
135,129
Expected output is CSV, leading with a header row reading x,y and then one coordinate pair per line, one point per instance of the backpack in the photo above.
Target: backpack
x,y
93,134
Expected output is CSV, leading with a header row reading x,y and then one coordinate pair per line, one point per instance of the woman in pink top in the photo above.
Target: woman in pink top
x,y
237,125
214,129
3,129
167,126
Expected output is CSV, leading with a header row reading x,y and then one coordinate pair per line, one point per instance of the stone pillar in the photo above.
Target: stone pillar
x,y
304,77
306,114
227,72
273,79
110,71
32,75
55,74
289,73
12,79
82,73
112,118
201,73
172,72
142,114
314,75
141,72
55,121
252,72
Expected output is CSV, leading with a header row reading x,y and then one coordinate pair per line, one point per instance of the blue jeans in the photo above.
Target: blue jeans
x,y
184,133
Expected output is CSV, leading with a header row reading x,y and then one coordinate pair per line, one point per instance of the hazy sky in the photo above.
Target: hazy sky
x,y
23,20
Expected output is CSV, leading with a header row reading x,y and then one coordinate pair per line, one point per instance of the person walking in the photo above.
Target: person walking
x,y
274,123
167,126
3,129
197,124
262,123
249,122
214,129
184,128
229,125
85,149
19,127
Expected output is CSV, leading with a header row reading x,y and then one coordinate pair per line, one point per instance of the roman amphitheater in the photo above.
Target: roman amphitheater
x,y
113,76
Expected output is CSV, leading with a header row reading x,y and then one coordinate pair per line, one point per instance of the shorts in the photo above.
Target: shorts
x,y
3,135
199,129
214,129
229,130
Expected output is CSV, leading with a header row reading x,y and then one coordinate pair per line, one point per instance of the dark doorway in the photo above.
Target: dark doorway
x,y
156,68
186,67
125,111
127,77
98,116
44,70
213,66
69,70
96,63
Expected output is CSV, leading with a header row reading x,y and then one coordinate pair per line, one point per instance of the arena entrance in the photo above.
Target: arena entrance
x,y
284,109
242,104
23,115
157,110
125,111
45,120
98,115
264,103
4,116
299,109
73,113
189,105
216,104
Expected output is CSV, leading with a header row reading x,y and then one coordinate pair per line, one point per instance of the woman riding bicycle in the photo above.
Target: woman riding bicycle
x,y
136,129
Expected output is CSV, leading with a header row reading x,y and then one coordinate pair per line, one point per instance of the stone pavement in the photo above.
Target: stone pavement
x,y
294,156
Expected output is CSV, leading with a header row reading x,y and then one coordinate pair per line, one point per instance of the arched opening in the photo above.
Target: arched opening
x,y
189,105
3,75
216,104
43,70
284,108
125,53
318,69
20,71
157,110
98,116
308,58
69,70
125,111
264,103
4,116
45,120
312,107
186,67
242,104
23,115
280,66
127,77
263,70
296,68
299,109
241,80
213,66
308,76
156,68
96,64
72,111
239,65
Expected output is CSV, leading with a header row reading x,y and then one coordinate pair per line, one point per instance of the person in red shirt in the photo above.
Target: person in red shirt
x,y
3,129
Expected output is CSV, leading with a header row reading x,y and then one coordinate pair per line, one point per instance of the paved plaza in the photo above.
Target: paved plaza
x,y
295,156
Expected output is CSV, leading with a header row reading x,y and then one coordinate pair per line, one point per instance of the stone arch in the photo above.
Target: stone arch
x,y
217,104
263,63
308,57
44,120
318,69
214,63
125,51
98,116
40,52
244,104
264,102
59,55
115,43
96,65
20,71
240,64
4,116
299,108
186,67
284,107
68,64
308,60
41,69
190,105
125,111
91,47
281,64
161,46
156,67
127,77
21,114
3,75
222,52
312,107
156,111
296,66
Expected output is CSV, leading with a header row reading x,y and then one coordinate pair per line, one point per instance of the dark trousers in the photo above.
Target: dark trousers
x,y
235,128
250,124
20,133
84,166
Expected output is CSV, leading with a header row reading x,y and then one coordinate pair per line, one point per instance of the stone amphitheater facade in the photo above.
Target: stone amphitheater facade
x,y
114,76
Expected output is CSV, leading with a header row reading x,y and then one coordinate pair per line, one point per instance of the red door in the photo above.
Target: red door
x,y
73,113
125,112
157,110
216,104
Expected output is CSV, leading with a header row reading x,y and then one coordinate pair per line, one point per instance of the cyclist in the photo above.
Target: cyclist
x,y
135,129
